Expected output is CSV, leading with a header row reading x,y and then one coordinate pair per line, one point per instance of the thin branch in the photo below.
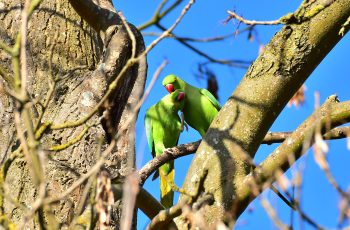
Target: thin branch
x,y
303,13
148,204
335,185
272,214
188,39
251,22
233,63
70,142
171,28
164,216
303,215
279,137
158,15
168,155
189,148
6,48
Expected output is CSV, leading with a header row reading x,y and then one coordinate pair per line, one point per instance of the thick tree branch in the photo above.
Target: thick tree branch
x,y
331,114
99,16
287,61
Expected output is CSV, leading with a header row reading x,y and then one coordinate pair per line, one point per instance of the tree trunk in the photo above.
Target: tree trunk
x,y
59,40
225,153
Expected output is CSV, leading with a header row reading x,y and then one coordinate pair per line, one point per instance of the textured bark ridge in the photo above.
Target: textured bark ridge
x,y
84,66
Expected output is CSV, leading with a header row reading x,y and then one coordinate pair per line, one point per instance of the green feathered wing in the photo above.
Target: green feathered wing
x,y
211,98
201,107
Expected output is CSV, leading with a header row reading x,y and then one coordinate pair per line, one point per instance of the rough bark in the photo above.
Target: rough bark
x,y
76,94
238,130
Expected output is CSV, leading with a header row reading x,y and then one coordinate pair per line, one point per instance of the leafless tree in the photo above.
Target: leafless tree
x,y
72,82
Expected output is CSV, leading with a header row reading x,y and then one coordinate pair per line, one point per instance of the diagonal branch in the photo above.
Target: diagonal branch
x,y
158,15
330,114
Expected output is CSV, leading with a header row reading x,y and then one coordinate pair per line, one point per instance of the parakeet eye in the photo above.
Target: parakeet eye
x,y
181,96
169,88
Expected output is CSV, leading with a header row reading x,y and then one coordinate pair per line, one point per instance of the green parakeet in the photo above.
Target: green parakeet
x,y
201,107
163,127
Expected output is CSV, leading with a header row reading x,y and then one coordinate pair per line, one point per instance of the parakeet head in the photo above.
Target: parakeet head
x,y
172,83
178,99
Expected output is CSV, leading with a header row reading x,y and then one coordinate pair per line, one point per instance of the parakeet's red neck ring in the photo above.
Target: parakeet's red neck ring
x,y
181,96
169,88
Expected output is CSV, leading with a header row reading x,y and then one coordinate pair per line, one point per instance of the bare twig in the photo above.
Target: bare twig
x,y
233,63
165,216
171,28
335,185
272,214
158,15
189,39
23,50
6,48
303,13
278,137
303,215
251,22
70,142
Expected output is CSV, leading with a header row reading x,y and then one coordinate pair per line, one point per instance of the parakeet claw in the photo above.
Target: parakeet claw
x,y
183,123
168,150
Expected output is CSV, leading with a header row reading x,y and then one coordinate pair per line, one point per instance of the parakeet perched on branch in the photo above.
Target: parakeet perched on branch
x,y
201,107
163,127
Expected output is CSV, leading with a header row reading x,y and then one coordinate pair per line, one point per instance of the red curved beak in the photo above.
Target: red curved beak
x,y
181,96
169,88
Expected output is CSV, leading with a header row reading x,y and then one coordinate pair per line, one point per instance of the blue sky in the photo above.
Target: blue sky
x,y
205,19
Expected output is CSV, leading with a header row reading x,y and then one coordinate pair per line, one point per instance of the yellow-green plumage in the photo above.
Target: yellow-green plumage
x,y
163,127
200,108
